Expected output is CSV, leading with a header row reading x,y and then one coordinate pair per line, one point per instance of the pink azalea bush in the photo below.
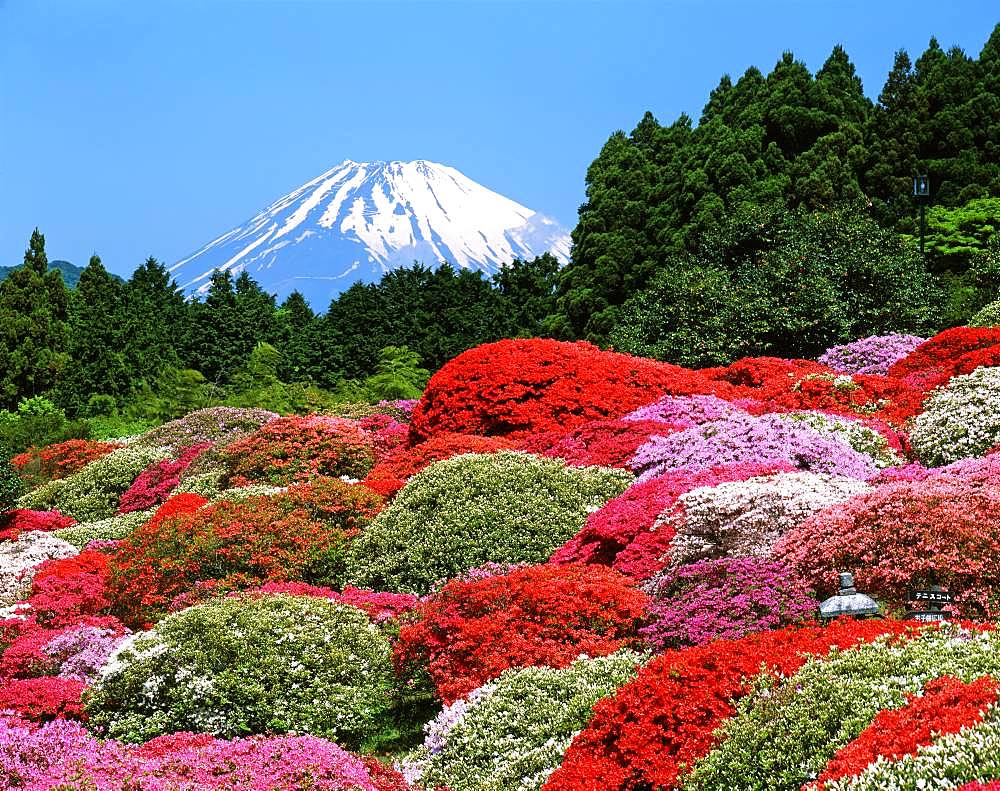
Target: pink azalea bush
x,y
156,482
871,355
723,599
686,411
741,438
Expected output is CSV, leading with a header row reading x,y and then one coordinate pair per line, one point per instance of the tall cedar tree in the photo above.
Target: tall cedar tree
x,y
33,334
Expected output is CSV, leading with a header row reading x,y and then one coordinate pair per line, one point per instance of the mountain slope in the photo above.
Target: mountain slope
x,y
359,220
70,273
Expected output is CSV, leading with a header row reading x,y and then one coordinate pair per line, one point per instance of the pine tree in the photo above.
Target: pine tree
x,y
32,327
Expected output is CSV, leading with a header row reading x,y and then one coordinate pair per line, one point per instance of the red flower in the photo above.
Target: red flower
x,y
43,699
516,388
665,720
21,520
155,483
959,350
946,706
607,443
473,630
41,465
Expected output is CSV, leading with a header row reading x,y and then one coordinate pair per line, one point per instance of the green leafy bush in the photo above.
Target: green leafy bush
x,y
513,732
988,316
10,482
38,422
460,513
92,494
245,665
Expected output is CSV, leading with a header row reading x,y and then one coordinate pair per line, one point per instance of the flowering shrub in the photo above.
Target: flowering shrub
x,y
903,535
627,533
219,425
959,350
459,513
93,492
266,664
42,699
41,465
521,387
380,607
665,719
65,589
512,732
685,411
871,356
745,518
21,520
391,473
767,439
872,438
293,449
471,631
988,316
723,599
786,733
81,651
64,755
299,535
945,705
606,443
385,432
155,483
959,420
113,529
19,559
769,384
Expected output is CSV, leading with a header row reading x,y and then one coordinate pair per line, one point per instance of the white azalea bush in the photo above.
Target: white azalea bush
x,y
114,528
785,733
988,316
461,513
859,436
244,665
20,558
92,494
512,733
746,518
960,419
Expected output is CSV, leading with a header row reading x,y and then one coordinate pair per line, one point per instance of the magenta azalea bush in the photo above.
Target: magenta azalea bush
x,y
723,599
871,355
64,755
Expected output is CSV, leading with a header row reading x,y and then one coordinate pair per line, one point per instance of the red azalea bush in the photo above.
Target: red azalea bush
x,y
294,449
41,465
946,705
391,473
299,535
155,483
959,350
474,629
606,443
905,535
771,384
624,533
43,699
516,388
22,520
64,590
665,720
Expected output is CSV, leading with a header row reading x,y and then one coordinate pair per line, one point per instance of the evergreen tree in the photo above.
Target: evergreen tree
x,y
99,340
301,359
527,291
33,339
158,320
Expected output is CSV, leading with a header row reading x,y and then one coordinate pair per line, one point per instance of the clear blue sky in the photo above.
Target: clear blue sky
x,y
148,128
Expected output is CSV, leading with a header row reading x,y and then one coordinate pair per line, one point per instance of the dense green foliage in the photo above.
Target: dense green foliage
x,y
779,282
788,139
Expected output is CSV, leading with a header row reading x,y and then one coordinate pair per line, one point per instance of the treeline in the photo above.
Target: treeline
x,y
788,140
139,346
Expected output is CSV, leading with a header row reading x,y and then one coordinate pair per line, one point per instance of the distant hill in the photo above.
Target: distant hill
x,y
70,272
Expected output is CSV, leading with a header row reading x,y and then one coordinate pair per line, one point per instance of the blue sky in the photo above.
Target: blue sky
x,y
148,128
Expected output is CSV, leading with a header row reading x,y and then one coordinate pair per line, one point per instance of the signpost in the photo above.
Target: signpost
x,y
922,194
934,597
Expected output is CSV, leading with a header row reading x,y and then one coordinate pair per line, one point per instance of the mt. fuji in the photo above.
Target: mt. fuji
x,y
359,220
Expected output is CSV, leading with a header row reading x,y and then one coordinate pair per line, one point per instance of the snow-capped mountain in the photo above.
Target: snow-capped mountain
x,y
361,219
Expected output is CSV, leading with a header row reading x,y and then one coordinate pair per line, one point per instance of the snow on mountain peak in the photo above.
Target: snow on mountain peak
x,y
359,220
